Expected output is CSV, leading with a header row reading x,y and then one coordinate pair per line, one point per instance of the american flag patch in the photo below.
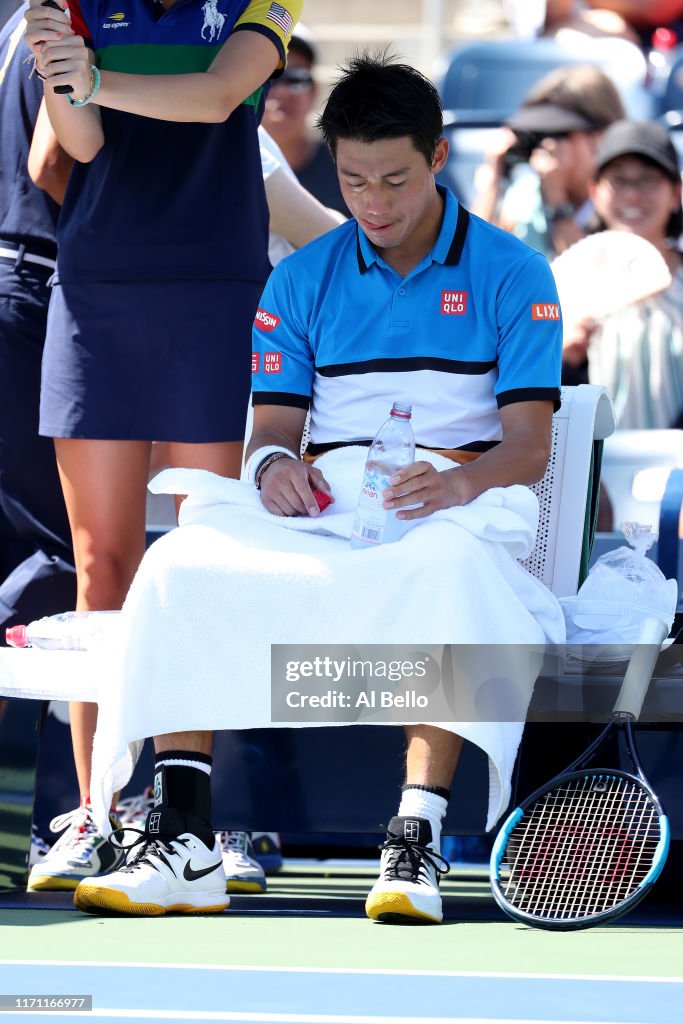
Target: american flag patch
x,y
281,17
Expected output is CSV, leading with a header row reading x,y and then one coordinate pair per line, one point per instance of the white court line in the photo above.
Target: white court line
x,y
621,979
293,1018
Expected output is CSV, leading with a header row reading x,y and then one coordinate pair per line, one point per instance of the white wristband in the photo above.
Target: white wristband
x,y
257,457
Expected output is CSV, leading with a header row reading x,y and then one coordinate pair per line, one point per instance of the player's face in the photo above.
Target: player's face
x,y
389,188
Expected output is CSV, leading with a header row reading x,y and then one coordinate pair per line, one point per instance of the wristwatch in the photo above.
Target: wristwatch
x,y
563,211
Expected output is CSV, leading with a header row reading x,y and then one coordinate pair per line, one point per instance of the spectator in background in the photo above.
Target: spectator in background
x,y
291,100
37,574
638,353
554,137
566,19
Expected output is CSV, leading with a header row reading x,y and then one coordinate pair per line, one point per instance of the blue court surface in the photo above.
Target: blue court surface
x,y
304,953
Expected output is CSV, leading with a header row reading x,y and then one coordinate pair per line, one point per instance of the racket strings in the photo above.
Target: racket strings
x,y
582,848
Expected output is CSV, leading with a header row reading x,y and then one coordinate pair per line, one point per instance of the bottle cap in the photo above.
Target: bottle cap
x,y
402,409
16,636
322,499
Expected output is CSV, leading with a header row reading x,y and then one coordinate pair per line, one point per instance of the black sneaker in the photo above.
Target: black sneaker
x,y
407,889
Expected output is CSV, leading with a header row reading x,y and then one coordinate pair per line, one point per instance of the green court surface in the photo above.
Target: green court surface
x,y
312,917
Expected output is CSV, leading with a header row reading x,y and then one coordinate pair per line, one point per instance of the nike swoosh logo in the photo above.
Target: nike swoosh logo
x,y
192,875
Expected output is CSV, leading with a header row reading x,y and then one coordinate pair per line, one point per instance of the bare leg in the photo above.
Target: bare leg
x,y
104,484
431,756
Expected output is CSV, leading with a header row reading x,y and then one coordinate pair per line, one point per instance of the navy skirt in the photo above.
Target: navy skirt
x,y
148,361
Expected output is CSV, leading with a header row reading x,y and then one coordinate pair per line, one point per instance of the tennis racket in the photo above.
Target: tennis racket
x,y
586,847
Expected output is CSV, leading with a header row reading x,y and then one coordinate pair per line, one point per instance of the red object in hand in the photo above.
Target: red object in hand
x,y
322,499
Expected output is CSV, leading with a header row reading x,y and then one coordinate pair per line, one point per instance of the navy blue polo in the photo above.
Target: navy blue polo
x,y
165,200
474,327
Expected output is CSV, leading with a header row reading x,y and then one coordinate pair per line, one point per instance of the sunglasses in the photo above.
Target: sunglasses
x,y
296,79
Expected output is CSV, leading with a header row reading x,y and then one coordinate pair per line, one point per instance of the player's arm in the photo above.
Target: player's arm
x,y
282,381
249,57
49,165
286,483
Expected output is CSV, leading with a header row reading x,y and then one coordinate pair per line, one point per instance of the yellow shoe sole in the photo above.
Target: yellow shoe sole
x,y
396,907
49,884
234,885
97,897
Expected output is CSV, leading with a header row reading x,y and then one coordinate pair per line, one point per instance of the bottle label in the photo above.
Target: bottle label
x,y
372,523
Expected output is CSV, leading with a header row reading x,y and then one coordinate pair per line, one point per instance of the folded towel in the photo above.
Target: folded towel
x,y
212,596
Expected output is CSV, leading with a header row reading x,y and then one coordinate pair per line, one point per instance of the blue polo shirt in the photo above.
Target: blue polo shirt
x,y
474,327
165,200
27,214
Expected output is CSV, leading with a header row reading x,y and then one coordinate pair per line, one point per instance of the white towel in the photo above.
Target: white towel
x,y
212,596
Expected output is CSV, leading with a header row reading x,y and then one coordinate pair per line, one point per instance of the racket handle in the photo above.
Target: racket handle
x,y
628,705
61,89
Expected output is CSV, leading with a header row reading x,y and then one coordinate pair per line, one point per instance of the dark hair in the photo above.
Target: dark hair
x,y
376,98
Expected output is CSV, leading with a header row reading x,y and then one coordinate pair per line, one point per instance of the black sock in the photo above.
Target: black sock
x,y
182,781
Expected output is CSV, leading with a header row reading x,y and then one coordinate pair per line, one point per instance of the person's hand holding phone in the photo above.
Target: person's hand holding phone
x,y
61,55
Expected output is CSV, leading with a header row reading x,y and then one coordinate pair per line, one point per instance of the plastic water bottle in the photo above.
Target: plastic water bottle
x,y
68,631
392,449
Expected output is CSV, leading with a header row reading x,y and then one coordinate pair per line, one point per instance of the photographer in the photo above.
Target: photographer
x,y
534,182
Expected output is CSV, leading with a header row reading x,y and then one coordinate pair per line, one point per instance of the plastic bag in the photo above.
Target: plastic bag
x,y
623,588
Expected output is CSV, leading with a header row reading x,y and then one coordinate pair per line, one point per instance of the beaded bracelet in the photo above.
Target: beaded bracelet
x,y
267,463
95,82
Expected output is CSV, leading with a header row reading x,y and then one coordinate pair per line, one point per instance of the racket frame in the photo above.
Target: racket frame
x,y
621,722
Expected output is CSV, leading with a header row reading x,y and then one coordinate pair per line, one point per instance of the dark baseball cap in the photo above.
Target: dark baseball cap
x,y
549,119
305,42
639,138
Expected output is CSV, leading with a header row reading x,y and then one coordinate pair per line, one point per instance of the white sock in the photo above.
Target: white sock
x,y
421,803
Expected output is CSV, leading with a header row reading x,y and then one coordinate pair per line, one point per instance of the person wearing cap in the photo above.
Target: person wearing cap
x,y
637,352
535,180
291,101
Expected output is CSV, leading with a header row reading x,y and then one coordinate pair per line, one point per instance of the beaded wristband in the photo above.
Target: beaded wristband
x,y
95,82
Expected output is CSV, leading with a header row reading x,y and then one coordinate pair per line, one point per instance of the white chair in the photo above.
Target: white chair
x,y
586,416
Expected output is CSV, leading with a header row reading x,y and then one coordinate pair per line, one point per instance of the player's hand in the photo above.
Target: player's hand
x,y
45,24
287,488
422,483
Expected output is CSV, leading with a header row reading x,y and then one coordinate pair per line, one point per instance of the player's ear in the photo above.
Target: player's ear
x,y
440,156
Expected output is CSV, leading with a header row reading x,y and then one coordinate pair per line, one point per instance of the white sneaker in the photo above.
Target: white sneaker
x,y
79,853
39,848
177,874
242,872
407,889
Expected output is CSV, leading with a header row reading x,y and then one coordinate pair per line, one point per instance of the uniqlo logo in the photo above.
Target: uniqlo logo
x,y
411,831
255,361
272,362
266,321
453,303
545,311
